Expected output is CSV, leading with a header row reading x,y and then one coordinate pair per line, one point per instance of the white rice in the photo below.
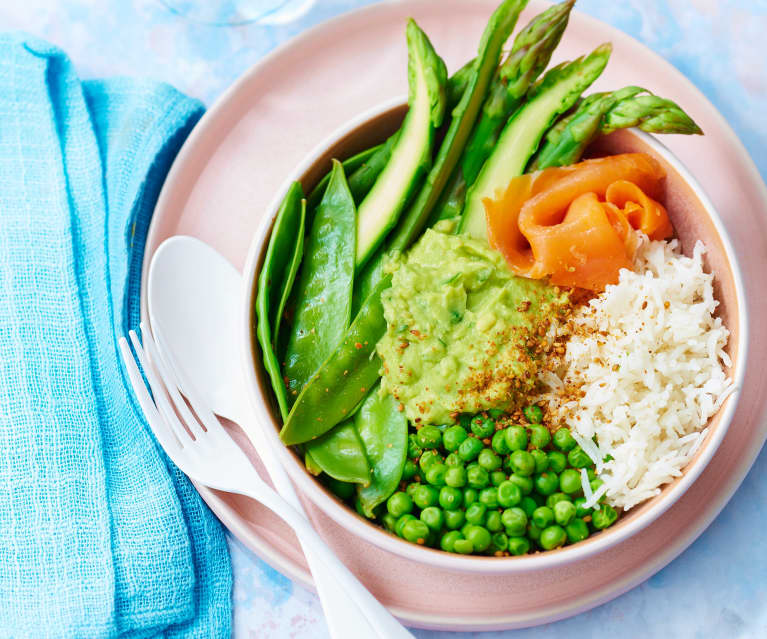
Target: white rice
x,y
648,357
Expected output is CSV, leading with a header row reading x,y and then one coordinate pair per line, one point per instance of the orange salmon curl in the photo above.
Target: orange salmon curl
x,y
579,224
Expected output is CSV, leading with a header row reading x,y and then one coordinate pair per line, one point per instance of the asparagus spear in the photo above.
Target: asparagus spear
x,y
602,113
529,56
464,116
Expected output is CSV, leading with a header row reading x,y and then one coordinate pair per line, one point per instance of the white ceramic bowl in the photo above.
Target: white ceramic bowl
x,y
693,217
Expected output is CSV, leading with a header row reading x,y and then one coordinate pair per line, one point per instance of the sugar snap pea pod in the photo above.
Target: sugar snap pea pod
x,y
350,166
290,277
411,154
383,430
324,294
344,379
554,94
340,454
364,177
311,465
275,282
527,59
480,71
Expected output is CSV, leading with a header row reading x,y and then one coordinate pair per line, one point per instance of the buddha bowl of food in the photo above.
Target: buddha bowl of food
x,y
500,325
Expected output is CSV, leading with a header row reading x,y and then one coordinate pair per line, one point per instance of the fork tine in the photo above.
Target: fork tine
x,y
160,393
170,383
167,439
175,372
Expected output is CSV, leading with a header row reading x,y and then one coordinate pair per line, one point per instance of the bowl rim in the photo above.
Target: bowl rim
x,y
384,540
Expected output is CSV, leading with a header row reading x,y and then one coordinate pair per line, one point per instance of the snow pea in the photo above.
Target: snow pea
x,y
383,430
340,454
324,295
311,465
344,379
276,280
350,167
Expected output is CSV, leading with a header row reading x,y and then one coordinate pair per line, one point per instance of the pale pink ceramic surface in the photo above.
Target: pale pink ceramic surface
x,y
239,156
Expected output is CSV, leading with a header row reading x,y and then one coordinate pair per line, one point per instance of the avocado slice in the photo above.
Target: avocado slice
x,y
559,89
411,155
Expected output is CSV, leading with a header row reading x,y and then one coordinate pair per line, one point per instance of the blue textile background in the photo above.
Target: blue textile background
x,y
100,536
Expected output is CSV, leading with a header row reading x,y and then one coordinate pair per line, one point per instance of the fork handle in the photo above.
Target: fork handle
x,y
385,624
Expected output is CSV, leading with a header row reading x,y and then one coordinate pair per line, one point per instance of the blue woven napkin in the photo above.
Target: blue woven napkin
x,y
100,536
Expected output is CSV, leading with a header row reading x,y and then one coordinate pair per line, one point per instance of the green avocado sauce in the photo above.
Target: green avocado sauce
x,y
463,332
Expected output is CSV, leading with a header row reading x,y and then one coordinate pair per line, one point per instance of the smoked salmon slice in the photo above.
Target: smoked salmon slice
x,y
577,224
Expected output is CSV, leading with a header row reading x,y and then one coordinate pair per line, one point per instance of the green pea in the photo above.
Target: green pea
x,y
493,521
388,521
580,511
541,460
499,443
469,496
428,458
522,463
409,470
463,546
557,461
412,488
516,438
533,532
453,437
528,505
479,536
515,521
577,458
500,541
495,413
519,545
429,437
595,484
564,512
475,513
450,498
433,518
426,496
447,543
591,473
454,519
482,427
455,477
604,517
453,460
435,475
489,460
553,537
489,497
577,530
563,439
414,451
525,483
553,499
533,414
543,516
508,494
477,477
469,449
540,437
415,531
399,504
497,477
546,483
570,481
401,521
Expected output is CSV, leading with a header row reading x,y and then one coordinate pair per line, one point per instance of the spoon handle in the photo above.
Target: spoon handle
x,y
368,618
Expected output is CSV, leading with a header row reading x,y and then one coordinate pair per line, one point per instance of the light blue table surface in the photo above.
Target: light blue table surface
x,y
718,587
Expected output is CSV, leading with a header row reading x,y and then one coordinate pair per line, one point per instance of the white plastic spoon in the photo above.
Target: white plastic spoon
x,y
194,306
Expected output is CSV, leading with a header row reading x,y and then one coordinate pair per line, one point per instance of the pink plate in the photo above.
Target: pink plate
x,y
238,157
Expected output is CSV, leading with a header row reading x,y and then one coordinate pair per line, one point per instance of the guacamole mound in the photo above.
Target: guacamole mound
x,y
463,332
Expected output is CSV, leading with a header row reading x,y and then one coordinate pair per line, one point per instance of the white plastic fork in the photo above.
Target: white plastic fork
x,y
204,451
